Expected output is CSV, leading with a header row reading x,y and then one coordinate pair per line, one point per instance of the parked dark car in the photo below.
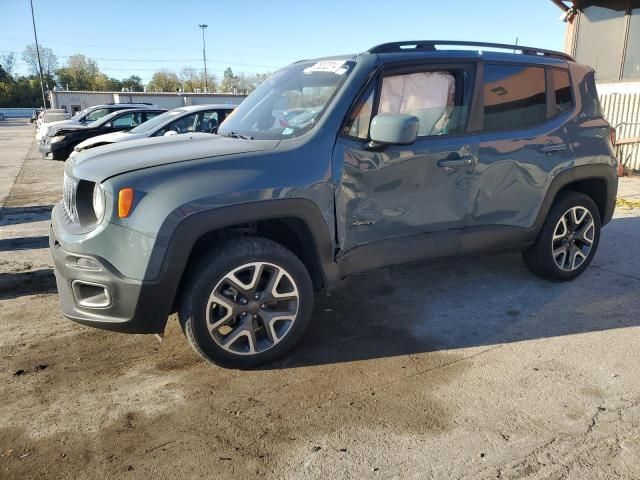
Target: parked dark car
x,y
410,151
60,143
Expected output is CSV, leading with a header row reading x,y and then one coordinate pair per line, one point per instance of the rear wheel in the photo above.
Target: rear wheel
x,y
568,240
246,303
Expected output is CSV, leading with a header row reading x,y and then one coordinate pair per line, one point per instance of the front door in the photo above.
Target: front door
x,y
401,193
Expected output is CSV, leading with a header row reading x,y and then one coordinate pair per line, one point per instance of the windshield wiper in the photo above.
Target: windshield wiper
x,y
236,135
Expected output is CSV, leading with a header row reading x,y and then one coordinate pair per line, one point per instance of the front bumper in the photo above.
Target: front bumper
x,y
103,298
53,151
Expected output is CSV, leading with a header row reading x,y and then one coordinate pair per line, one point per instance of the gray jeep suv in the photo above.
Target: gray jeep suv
x,y
333,167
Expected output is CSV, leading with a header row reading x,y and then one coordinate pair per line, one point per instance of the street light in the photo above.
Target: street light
x,y
204,57
33,19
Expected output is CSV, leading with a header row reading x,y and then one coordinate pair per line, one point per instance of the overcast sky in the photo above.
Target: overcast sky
x,y
141,36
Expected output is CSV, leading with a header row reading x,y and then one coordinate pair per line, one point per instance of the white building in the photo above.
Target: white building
x,y
79,100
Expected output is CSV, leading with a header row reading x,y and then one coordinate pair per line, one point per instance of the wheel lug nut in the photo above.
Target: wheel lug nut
x,y
256,296
263,306
243,314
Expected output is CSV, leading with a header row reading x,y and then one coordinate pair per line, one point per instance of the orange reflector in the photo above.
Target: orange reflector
x,y
125,201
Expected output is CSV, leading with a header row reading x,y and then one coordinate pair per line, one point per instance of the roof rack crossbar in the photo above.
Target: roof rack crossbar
x,y
430,46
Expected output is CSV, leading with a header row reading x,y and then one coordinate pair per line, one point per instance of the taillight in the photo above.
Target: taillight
x,y
612,136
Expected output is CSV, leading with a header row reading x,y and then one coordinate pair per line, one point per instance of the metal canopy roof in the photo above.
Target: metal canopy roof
x,y
611,4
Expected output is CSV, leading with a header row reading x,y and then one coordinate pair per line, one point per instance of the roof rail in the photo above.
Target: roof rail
x,y
430,46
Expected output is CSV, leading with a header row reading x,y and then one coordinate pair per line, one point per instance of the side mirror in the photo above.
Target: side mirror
x,y
393,129
108,124
169,133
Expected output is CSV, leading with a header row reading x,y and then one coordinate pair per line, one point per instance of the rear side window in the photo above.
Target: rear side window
x,y
514,96
562,87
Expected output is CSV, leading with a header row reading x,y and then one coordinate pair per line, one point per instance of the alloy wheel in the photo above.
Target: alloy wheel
x,y
252,308
573,238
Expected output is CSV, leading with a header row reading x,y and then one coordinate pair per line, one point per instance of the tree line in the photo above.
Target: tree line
x,y
82,73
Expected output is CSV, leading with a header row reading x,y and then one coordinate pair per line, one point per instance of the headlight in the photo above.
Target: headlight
x,y
98,202
57,138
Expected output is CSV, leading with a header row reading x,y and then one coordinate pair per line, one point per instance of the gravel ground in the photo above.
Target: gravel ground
x,y
469,368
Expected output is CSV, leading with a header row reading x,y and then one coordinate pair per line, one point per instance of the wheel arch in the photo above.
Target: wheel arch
x,y
295,223
599,182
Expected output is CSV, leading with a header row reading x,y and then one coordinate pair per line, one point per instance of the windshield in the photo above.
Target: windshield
x,y
158,121
290,102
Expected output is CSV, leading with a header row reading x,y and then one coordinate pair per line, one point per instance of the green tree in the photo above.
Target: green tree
x,y
229,81
79,73
132,84
164,81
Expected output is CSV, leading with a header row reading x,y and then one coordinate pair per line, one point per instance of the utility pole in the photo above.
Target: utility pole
x,y
204,57
33,19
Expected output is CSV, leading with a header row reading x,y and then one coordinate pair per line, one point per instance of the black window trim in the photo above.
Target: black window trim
x,y
552,89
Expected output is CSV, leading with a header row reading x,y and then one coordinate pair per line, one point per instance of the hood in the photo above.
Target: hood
x,y
67,128
114,137
107,161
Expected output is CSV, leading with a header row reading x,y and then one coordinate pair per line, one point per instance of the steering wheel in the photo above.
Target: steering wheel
x,y
176,128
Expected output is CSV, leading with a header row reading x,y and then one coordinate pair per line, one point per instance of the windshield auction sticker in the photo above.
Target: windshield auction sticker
x,y
331,66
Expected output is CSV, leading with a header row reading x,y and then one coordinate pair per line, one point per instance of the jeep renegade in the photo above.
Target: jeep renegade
x,y
410,151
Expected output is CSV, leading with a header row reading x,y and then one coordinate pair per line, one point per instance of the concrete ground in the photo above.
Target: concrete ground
x,y
470,368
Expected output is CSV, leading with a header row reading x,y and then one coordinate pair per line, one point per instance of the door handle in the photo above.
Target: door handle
x,y
458,162
552,147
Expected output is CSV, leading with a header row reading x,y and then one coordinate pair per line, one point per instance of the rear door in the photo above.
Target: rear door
x,y
524,139
400,192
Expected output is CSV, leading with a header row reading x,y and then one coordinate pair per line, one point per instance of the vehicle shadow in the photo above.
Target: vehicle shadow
x,y
14,122
15,285
470,302
23,243
18,215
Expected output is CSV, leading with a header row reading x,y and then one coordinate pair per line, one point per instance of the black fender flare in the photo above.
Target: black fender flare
x,y
174,254
600,171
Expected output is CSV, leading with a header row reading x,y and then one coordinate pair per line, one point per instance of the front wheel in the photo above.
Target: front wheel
x,y
568,240
245,303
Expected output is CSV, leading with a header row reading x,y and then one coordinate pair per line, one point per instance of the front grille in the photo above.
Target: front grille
x,y
69,197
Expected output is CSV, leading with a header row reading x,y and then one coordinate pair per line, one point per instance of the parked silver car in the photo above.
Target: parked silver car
x,y
195,118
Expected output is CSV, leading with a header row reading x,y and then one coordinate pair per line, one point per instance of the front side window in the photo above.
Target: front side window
x,y
562,87
208,122
97,114
514,96
430,96
290,102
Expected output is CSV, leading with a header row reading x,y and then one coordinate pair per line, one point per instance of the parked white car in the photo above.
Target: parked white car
x,y
47,118
195,118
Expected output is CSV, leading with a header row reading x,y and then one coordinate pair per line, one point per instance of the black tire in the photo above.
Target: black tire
x,y
211,269
539,258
